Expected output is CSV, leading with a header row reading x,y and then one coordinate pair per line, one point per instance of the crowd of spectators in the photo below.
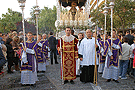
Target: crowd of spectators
x,y
11,49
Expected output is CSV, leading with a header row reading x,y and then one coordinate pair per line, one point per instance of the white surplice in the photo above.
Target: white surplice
x,y
29,77
78,62
87,49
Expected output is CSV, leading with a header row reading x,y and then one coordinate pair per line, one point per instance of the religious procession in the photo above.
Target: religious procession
x,y
81,45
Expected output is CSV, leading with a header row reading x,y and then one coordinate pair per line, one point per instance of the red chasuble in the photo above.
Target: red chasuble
x,y
69,53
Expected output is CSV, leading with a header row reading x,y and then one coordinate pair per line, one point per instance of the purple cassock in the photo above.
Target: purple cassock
x,y
102,58
115,52
45,49
30,57
98,40
42,55
42,52
98,52
38,52
111,69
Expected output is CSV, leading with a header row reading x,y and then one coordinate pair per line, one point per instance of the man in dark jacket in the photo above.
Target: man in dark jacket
x,y
34,37
72,33
130,38
52,42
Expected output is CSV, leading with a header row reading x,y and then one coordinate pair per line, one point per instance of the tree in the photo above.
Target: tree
x,y
124,10
47,18
9,20
123,17
98,15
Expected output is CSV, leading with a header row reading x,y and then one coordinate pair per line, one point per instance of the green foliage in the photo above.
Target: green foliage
x,y
9,20
123,15
124,10
33,16
47,18
98,17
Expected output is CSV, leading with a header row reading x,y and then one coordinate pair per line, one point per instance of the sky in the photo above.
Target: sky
x,y
14,5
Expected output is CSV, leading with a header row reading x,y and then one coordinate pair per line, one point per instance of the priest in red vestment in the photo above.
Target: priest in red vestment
x,y
68,47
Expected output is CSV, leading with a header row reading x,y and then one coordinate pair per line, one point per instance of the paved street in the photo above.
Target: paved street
x,y
53,74
12,82
50,80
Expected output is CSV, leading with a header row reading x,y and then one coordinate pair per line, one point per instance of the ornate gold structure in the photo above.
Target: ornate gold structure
x,y
73,10
77,18
74,17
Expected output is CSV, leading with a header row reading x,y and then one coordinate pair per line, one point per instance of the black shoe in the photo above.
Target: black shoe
x,y
43,71
66,81
23,84
27,84
10,72
116,81
72,82
77,75
34,85
56,63
108,80
100,73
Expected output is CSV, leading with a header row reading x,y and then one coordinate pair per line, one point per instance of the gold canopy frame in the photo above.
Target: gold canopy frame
x,y
66,3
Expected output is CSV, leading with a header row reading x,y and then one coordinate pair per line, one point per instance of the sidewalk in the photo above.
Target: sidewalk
x,y
53,74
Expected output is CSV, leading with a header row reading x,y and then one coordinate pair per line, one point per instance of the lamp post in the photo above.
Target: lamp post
x,y
97,31
105,13
22,5
111,6
95,71
37,14
57,24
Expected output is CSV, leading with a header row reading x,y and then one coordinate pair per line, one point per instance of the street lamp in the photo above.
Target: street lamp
x,y
22,5
37,14
105,13
57,24
111,6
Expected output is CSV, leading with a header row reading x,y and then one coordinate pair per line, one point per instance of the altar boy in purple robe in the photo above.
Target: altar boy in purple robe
x,y
101,56
111,70
28,61
45,49
42,54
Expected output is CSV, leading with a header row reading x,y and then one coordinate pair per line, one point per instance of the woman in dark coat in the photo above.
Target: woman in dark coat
x,y
10,54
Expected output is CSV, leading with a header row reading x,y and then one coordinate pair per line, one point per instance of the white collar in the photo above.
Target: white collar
x,y
68,38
